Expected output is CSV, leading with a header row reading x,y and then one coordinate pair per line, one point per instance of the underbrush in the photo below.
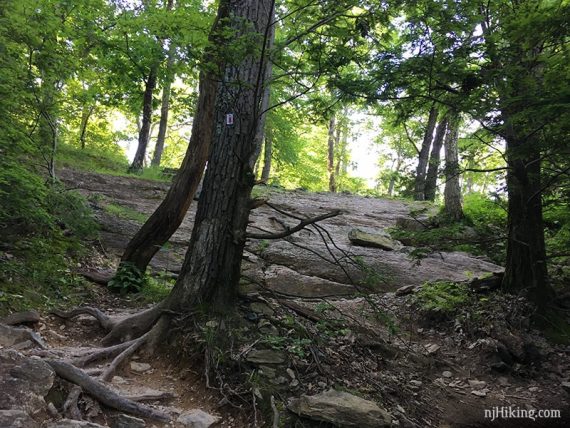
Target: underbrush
x,y
43,227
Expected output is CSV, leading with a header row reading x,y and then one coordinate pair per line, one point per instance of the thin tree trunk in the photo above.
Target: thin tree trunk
x,y
211,270
268,152
433,166
420,180
160,226
331,147
452,192
165,102
144,133
86,113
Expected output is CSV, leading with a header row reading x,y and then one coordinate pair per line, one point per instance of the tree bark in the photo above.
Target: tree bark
x,y
433,166
144,133
331,147
420,181
452,192
211,270
165,102
85,115
268,148
171,212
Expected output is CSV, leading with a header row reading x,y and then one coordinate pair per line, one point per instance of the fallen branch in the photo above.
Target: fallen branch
x,y
289,231
103,394
151,397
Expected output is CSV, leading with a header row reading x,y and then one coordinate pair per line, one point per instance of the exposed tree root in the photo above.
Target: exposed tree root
x,y
26,317
70,407
103,394
104,320
100,354
119,359
151,397
134,326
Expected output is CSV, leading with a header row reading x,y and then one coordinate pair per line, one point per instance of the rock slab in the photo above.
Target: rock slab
x,y
375,240
341,409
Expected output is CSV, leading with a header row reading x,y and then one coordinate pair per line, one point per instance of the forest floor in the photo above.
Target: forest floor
x,y
320,313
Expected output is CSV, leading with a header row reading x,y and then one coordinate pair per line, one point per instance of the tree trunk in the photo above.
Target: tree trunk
x,y
144,133
420,181
85,115
452,192
268,148
211,270
526,267
165,102
171,212
433,167
331,141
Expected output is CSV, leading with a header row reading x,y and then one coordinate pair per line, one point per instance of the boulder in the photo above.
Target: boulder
x,y
376,240
197,419
16,419
126,421
411,224
24,382
341,409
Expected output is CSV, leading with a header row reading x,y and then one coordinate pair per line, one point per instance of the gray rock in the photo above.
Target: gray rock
x,y
447,374
197,419
265,356
16,419
140,367
341,409
10,336
24,382
126,421
375,240
70,423
412,224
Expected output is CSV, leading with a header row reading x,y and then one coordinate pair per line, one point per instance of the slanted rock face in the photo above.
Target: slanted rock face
x,y
24,382
16,419
341,409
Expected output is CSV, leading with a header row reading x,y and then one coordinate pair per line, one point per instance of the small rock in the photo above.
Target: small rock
x,y
432,348
406,289
447,374
140,367
322,384
126,421
416,382
197,419
477,384
294,383
265,356
261,308
533,389
291,373
480,392
566,386
118,380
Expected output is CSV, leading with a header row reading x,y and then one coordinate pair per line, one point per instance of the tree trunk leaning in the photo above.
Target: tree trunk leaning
x,y
420,180
452,192
433,166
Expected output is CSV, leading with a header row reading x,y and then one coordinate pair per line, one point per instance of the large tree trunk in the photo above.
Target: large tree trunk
x,y
211,270
433,167
331,147
526,267
420,181
144,133
452,192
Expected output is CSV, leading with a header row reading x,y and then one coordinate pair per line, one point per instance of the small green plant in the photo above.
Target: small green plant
x,y
442,296
128,279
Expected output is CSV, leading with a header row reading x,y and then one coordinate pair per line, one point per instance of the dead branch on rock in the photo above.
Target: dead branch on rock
x,y
103,394
289,231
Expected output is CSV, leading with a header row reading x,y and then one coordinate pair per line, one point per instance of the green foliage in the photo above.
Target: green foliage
x,y
443,297
125,213
127,279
